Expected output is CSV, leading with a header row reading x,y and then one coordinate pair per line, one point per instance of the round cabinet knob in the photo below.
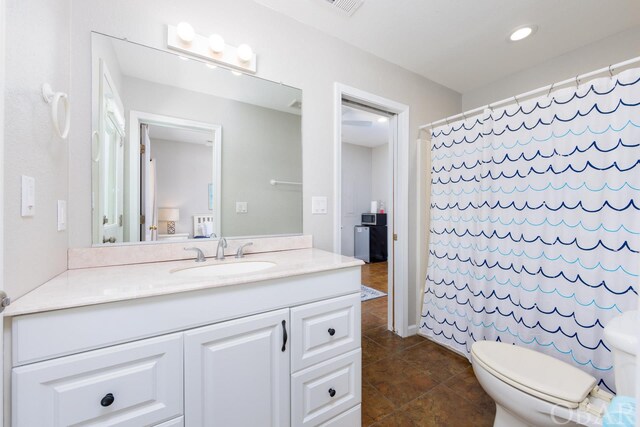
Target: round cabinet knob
x,y
331,331
107,400
332,392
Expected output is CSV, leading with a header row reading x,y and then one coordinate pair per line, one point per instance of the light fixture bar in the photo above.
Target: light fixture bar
x,y
199,46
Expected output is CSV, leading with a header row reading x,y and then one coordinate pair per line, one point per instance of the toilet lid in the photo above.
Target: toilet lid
x,y
535,373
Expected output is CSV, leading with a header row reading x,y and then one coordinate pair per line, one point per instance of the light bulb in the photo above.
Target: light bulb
x,y
216,43
245,53
185,32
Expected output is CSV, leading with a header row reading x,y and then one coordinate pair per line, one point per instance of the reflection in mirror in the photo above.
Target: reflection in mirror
x,y
184,150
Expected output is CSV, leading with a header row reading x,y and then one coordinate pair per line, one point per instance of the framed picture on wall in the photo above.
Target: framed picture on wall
x,y
210,197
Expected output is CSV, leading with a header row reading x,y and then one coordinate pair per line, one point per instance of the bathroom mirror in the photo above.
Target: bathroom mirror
x,y
182,149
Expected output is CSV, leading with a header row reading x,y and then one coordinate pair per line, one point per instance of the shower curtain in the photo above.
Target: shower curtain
x,y
535,224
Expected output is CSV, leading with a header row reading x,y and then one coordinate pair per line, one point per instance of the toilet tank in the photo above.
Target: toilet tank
x,y
621,336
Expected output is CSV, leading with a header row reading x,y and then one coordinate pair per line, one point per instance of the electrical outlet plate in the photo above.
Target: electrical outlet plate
x,y
62,215
28,196
319,205
241,207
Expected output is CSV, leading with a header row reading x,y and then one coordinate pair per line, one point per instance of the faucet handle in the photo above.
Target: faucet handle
x,y
240,252
199,254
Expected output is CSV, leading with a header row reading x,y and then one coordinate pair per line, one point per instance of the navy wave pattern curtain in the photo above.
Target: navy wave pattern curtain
x,y
535,224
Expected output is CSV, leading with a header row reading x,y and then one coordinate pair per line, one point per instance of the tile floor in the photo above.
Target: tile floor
x,y
413,381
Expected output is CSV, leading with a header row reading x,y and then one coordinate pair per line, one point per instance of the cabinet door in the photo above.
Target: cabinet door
x,y
237,372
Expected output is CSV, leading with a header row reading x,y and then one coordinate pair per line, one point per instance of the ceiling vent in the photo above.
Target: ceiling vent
x,y
346,6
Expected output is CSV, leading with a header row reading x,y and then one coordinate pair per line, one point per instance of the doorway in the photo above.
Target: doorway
x,y
366,188
371,174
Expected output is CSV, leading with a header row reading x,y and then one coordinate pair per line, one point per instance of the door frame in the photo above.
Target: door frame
x,y
3,55
398,217
133,167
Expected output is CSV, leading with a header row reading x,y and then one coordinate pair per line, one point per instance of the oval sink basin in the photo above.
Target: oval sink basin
x,y
227,269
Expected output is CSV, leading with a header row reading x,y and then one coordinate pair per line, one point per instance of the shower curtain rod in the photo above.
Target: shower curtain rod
x,y
548,89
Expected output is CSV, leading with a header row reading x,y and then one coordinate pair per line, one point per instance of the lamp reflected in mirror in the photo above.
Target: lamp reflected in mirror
x,y
170,216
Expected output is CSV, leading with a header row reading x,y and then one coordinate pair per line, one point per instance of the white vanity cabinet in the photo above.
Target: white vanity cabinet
x,y
282,352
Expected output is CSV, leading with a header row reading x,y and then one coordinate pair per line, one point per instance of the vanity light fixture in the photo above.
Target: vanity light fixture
x,y
522,32
216,43
183,39
185,32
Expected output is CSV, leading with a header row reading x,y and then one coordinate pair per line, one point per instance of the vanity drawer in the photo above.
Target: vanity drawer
x,y
326,390
350,418
324,329
129,385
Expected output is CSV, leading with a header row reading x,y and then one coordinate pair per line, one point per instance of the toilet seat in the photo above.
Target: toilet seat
x,y
537,374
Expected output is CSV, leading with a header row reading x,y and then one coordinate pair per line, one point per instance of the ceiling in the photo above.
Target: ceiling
x,y
462,44
363,128
176,134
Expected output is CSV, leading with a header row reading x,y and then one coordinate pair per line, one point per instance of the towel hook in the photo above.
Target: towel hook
x,y
54,98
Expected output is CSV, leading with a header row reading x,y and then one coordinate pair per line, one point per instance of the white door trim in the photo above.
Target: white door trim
x,y
3,55
138,117
398,218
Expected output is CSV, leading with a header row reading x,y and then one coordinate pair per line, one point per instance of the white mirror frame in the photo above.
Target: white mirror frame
x,y
136,118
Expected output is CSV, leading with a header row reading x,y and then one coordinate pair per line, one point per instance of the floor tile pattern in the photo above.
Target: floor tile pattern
x,y
413,381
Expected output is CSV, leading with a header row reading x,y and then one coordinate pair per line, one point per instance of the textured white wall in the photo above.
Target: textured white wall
x,y
356,191
37,51
617,48
258,144
287,51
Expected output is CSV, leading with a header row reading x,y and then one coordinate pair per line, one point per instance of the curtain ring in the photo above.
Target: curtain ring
x,y
516,99
577,82
550,89
465,116
610,72
447,121
490,107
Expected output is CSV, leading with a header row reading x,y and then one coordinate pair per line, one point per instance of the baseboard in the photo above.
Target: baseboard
x,y
412,330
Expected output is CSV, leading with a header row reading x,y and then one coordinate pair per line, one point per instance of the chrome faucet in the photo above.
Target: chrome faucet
x,y
222,243
240,252
199,254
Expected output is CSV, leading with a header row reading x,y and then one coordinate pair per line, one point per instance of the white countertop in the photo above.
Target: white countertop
x,y
88,286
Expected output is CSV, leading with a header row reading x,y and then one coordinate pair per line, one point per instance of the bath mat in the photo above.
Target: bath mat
x,y
367,293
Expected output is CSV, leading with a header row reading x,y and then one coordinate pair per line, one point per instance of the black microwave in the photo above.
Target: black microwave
x,y
374,219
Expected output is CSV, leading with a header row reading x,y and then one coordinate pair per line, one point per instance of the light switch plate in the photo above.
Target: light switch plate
x,y
241,207
28,196
319,205
62,215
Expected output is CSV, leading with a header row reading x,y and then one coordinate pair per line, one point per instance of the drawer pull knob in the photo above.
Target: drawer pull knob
x,y
331,331
107,400
332,392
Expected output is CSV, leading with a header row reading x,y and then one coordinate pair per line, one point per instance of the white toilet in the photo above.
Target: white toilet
x,y
533,389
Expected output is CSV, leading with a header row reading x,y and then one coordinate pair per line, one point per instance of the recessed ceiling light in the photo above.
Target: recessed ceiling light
x,y
383,119
522,33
